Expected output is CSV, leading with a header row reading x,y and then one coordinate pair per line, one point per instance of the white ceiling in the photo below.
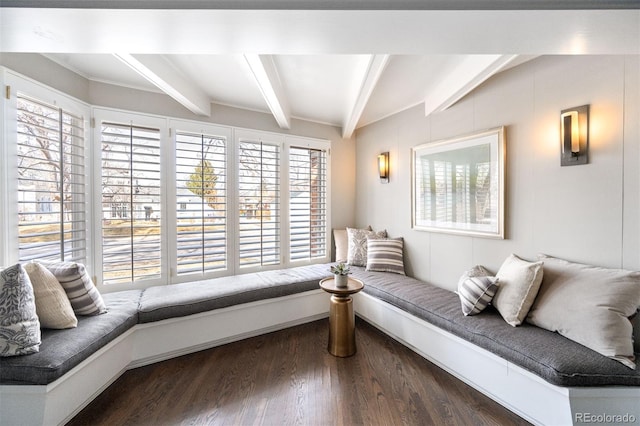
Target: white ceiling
x,y
346,68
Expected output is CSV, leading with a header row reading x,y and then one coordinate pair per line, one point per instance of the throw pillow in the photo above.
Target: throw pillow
x,y
476,271
82,293
590,305
519,284
342,245
635,322
476,293
19,325
357,253
52,305
385,255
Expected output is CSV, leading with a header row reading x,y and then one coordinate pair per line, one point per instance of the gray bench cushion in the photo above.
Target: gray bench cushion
x,y
61,350
177,300
551,356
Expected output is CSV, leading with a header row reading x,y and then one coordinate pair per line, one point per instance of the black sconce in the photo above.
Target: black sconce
x,y
574,136
383,167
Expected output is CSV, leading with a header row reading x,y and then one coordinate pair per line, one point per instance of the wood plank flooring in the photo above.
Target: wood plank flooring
x,y
288,378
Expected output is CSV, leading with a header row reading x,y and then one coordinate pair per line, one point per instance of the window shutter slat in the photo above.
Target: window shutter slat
x,y
307,203
131,203
258,203
201,168
51,182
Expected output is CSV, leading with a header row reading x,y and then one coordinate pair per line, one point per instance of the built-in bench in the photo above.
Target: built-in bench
x,y
141,327
542,376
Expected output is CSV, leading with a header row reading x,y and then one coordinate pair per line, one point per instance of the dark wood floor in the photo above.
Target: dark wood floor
x,y
288,378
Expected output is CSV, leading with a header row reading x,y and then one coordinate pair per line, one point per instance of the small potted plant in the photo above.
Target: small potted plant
x,y
341,273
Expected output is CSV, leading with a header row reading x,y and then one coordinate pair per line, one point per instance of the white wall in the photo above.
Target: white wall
x,y
584,213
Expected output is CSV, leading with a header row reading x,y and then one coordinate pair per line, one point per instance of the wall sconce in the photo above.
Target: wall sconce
x,y
574,136
383,167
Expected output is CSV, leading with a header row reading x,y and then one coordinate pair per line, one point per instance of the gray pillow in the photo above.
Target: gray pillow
x,y
82,293
19,325
476,289
590,305
476,271
385,255
357,253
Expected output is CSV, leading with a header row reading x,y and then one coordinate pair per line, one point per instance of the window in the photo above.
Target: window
x,y
51,182
258,203
201,197
153,209
131,202
307,203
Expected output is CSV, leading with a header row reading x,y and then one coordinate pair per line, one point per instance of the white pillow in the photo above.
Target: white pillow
x,y
19,325
519,284
342,245
52,304
590,305
635,321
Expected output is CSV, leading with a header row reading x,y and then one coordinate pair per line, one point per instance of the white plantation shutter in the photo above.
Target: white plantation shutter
x,y
307,203
51,182
201,198
442,173
131,203
258,203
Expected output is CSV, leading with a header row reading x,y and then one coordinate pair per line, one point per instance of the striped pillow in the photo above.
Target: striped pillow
x,y
385,255
476,293
82,293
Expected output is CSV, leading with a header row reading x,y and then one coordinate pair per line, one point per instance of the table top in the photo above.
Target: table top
x,y
353,286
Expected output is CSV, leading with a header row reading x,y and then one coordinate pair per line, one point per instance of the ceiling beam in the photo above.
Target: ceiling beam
x,y
376,66
158,70
472,71
266,75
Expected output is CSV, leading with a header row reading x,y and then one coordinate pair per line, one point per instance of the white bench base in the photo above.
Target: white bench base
x,y
57,402
520,391
511,386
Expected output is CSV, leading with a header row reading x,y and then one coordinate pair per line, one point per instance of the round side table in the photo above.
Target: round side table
x,y
342,321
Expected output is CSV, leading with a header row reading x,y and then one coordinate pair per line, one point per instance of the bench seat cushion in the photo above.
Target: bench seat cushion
x,y
177,300
549,355
62,350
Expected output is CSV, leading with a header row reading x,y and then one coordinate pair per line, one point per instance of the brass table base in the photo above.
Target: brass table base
x,y
342,326
342,322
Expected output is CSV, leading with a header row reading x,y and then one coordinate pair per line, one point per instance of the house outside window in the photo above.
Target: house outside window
x,y
51,182
145,200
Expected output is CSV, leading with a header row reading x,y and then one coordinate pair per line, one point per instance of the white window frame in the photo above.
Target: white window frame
x,y
321,145
8,155
118,116
276,139
177,126
93,116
